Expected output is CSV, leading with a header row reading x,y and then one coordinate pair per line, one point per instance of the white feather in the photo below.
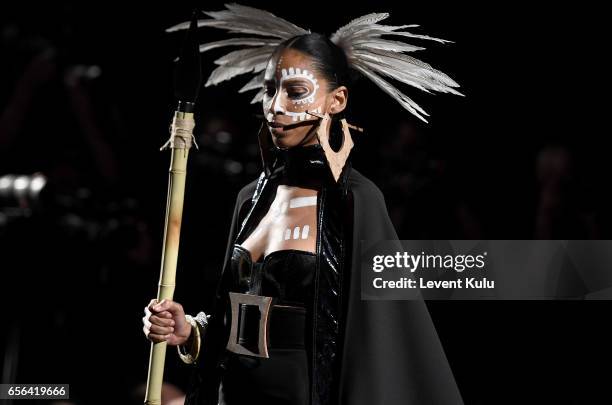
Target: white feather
x,y
223,73
377,32
401,98
239,19
404,64
255,83
373,56
238,41
265,16
409,78
361,39
259,96
366,20
247,20
384,44
244,54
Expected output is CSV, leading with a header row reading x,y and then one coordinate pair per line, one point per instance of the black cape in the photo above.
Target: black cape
x,y
388,351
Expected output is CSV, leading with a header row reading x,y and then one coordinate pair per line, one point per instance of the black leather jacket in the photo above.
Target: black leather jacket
x,y
389,350
305,167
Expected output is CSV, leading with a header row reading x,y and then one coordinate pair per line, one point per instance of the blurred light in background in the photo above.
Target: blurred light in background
x,y
21,190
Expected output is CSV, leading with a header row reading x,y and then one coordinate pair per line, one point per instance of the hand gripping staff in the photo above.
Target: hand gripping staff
x,y
187,82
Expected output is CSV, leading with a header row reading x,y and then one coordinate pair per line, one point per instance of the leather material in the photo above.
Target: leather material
x,y
378,366
288,276
286,328
307,167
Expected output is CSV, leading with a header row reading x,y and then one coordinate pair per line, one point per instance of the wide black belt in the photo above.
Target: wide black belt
x,y
259,324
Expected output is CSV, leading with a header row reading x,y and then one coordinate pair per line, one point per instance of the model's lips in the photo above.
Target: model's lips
x,y
279,126
275,124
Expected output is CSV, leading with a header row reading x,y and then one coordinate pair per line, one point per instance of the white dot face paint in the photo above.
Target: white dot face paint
x,y
306,83
302,116
292,88
296,73
294,91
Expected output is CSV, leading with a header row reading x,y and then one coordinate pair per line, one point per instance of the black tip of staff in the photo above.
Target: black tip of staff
x,y
185,106
188,70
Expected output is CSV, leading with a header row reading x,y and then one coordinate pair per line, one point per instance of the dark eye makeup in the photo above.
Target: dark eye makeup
x,y
293,90
297,91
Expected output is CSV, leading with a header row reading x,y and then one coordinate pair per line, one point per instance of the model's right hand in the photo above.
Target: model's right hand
x,y
165,322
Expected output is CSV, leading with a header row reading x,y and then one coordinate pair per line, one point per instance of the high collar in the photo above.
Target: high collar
x,y
303,166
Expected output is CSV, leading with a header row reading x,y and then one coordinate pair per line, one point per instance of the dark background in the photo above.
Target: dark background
x,y
86,99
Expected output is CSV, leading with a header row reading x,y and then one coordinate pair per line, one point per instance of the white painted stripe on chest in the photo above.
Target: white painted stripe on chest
x,y
305,230
303,201
295,233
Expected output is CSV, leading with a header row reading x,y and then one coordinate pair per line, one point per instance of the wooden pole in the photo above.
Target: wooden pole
x,y
179,143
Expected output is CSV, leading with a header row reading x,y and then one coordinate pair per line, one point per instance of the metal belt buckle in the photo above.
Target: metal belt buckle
x,y
264,304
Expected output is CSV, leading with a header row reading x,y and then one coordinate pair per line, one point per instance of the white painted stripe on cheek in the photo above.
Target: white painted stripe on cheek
x,y
277,106
296,232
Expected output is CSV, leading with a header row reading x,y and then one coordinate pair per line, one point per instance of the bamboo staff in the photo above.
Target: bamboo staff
x,y
187,83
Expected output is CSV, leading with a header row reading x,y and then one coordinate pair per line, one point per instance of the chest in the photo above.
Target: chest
x,y
289,223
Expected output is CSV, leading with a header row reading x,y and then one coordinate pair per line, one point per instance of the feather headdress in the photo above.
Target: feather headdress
x,y
361,39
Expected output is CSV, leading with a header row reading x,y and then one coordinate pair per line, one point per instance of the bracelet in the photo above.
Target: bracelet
x,y
202,319
198,325
190,356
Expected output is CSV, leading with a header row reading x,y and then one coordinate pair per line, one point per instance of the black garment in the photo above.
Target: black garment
x,y
359,352
282,378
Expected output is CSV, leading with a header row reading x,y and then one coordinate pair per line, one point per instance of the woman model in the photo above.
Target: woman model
x,y
289,325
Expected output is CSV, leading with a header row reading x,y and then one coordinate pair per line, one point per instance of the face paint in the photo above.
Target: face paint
x,y
292,87
297,73
300,77
302,116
